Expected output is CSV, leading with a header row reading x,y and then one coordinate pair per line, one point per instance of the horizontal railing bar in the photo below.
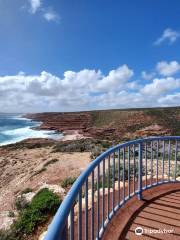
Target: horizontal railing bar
x,y
160,183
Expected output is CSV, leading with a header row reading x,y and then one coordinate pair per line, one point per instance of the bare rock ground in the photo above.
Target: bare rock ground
x,y
32,168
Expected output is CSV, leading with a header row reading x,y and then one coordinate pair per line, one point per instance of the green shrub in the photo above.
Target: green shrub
x,y
26,190
95,146
106,144
11,214
108,177
28,145
82,145
96,151
177,172
7,235
44,204
21,203
68,182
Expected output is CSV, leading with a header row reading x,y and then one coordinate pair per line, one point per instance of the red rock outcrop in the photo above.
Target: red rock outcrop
x,y
153,130
99,124
62,121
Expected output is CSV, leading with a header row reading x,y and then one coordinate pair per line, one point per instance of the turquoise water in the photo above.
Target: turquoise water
x,y
15,128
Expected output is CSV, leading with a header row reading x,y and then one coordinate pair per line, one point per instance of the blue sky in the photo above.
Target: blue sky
x,y
42,40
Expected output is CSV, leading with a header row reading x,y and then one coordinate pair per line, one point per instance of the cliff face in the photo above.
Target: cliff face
x,y
113,124
62,121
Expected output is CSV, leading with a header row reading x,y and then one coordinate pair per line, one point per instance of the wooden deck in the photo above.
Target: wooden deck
x,y
158,214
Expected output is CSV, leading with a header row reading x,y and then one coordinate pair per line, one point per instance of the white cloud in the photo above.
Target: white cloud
x,y
147,76
168,69
76,90
51,15
115,79
134,85
34,5
168,35
48,13
170,99
160,86
122,99
83,90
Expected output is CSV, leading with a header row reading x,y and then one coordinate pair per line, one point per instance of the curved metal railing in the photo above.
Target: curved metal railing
x,y
110,181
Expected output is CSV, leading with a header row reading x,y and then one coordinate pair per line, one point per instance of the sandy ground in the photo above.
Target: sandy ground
x,y
24,168
71,135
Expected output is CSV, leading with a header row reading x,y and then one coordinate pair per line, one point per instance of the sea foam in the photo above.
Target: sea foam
x,y
16,129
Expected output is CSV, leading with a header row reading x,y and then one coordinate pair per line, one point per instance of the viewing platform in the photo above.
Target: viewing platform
x,y
131,191
159,210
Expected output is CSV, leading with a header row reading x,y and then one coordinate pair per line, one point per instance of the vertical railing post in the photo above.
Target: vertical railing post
x,y
92,207
175,170
140,172
65,232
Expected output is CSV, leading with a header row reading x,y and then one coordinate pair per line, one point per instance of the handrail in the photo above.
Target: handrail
x,y
113,167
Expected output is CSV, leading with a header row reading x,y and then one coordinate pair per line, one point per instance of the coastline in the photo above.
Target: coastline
x,y
112,125
68,134
28,130
48,133
36,163
69,131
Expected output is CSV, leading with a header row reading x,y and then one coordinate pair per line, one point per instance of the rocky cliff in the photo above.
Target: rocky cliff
x,y
114,124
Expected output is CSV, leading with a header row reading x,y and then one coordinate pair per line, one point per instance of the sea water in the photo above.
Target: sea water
x,y
15,128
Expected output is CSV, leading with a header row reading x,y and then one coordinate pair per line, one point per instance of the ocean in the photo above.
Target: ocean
x,y
15,128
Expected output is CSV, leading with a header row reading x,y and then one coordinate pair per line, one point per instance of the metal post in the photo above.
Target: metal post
x,y
72,224
140,173
98,201
65,233
92,207
80,214
124,192
176,150
86,209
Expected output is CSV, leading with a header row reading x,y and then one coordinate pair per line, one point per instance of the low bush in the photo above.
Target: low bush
x,y
67,182
44,204
7,235
95,146
108,178
11,214
26,190
29,145
96,151
83,145
177,172
21,203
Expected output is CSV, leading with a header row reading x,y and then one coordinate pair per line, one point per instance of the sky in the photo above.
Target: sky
x,y
59,55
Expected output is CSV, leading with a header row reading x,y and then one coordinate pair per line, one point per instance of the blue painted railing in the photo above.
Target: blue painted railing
x,y
110,181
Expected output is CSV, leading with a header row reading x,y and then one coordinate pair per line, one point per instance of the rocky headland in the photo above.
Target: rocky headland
x,y
112,124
